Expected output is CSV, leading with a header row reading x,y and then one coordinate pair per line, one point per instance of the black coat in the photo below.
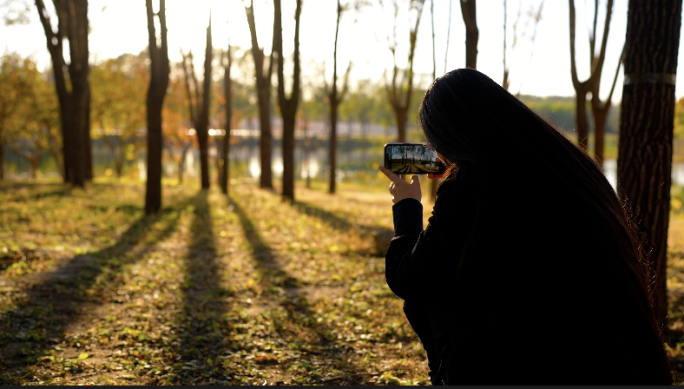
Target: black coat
x,y
519,311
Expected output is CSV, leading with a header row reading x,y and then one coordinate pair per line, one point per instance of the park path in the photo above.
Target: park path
x,y
215,290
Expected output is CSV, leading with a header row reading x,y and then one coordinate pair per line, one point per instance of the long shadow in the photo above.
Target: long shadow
x,y
50,305
203,318
333,220
265,259
262,252
381,235
60,190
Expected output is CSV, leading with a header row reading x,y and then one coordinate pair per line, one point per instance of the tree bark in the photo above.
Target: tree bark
x,y
333,146
203,126
600,134
120,160
581,121
468,10
263,86
228,92
646,130
288,105
159,82
335,97
600,112
401,115
72,24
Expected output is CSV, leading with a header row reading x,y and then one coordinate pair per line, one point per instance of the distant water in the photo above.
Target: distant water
x,y
610,168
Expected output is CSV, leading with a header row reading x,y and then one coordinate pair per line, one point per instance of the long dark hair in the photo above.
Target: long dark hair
x,y
506,152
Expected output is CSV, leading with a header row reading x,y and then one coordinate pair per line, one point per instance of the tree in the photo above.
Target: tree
x,y
199,99
400,95
228,96
288,105
73,91
159,82
468,10
334,99
646,130
596,62
263,86
118,104
534,17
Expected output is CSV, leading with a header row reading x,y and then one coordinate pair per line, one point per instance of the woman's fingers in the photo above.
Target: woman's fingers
x,y
393,177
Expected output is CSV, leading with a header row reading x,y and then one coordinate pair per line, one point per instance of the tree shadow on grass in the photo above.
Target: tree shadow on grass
x,y
202,320
263,254
297,307
381,235
335,221
40,318
39,191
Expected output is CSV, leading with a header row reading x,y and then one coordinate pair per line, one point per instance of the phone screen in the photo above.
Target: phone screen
x,y
412,158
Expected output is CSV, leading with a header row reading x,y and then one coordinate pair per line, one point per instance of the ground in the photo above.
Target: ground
x,y
214,290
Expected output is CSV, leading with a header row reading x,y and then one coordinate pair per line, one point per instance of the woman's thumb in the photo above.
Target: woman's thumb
x,y
415,180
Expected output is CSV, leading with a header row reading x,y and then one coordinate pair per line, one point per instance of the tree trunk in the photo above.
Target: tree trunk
x,y
263,86
159,81
288,105
646,130
203,128
333,149
401,115
265,140
72,24
35,165
80,111
599,134
581,122
228,92
288,156
204,159
468,9
119,161
334,100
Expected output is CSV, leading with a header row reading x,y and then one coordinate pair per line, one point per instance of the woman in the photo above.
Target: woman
x,y
528,272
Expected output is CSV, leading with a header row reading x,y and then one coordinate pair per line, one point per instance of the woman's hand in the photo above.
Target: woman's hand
x,y
401,189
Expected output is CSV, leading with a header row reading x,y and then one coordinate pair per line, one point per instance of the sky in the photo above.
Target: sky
x,y
539,68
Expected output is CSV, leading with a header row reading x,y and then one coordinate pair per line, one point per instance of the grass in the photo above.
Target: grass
x,y
213,290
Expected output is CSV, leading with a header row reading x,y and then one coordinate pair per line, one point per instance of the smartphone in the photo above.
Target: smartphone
x,y
412,158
